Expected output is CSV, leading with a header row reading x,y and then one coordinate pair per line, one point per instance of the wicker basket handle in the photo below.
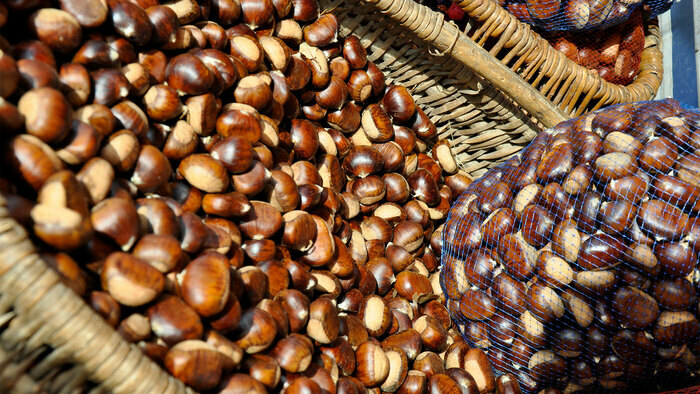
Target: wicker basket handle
x,y
49,313
447,38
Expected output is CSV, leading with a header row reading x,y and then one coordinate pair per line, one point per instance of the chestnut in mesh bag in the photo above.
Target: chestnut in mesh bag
x,y
614,53
574,263
579,15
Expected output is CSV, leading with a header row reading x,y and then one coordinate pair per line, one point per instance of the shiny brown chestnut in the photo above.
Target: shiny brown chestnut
x,y
322,32
188,74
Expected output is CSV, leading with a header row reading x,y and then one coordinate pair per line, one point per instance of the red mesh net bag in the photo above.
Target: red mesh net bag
x,y
580,15
567,15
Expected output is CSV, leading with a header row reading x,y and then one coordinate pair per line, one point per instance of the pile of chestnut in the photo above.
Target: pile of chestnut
x,y
237,191
574,264
572,15
614,53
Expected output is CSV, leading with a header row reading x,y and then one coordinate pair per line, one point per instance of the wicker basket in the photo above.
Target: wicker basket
x,y
482,107
550,71
51,341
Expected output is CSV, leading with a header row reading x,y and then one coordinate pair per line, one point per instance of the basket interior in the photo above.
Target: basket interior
x,y
484,126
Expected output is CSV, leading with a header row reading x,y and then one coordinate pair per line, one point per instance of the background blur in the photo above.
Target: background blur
x,y
681,28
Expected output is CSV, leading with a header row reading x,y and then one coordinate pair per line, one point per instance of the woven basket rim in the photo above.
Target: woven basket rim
x,y
445,38
498,22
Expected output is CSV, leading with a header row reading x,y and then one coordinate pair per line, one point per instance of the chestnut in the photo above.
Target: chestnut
x,y
634,307
188,74
256,330
322,32
257,14
151,171
289,31
235,153
131,117
424,187
675,258
323,248
614,165
675,191
555,163
174,321
298,73
633,346
87,13
599,251
117,219
60,227
129,280
205,284
687,168
674,294
96,53
98,116
675,328
317,63
658,156
293,353
375,315
162,103
323,325
243,383
521,353
544,303
373,365
546,366
476,305
662,220
478,366
161,251
47,114
398,103
354,52
631,188
586,211
58,29
204,172
518,257
429,363
196,363
253,91
413,286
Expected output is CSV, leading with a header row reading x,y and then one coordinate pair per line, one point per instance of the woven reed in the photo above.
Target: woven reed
x,y
550,71
51,341
484,109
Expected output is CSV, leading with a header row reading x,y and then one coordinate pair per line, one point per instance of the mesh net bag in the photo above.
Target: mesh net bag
x,y
577,15
573,264
614,53
567,15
